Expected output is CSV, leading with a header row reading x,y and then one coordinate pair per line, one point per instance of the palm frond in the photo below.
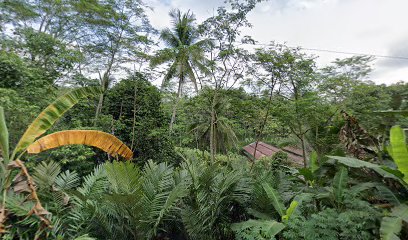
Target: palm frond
x,y
161,194
124,177
45,174
67,180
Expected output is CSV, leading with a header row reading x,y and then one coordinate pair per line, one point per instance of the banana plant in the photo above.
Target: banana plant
x,y
277,203
398,150
391,225
266,228
30,143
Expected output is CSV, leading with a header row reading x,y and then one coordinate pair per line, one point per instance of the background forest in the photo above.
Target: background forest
x,y
189,177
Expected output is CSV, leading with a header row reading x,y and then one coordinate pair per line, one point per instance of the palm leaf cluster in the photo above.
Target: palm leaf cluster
x,y
184,50
224,136
119,200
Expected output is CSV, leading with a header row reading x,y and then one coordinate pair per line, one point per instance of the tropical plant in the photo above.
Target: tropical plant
x,y
398,150
215,199
23,182
185,52
213,128
391,225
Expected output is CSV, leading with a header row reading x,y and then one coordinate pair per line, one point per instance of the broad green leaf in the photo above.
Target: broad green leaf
x,y
51,114
259,215
307,174
401,211
257,229
4,137
399,150
387,194
85,237
396,172
340,182
390,227
291,209
275,198
356,163
357,189
313,162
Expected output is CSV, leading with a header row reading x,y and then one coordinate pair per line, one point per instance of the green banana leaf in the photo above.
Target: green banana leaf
x,y
4,137
291,209
51,114
398,150
356,163
275,198
313,162
391,225
257,229
340,183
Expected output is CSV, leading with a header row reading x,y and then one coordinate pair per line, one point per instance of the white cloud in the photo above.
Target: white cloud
x,y
360,26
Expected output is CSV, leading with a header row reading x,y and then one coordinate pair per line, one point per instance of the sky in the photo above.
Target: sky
x,y
375,27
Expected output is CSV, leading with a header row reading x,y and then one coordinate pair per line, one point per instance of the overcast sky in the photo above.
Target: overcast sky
x,y
360,26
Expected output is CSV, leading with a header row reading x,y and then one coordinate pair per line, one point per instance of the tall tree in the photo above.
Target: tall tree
x,y
115,32
43,31
227,60
184,52
298,104
223,138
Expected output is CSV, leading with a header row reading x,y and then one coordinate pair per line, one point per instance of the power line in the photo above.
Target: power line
x,y
335,51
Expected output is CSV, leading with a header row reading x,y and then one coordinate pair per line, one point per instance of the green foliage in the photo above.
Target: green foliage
x,y
184,51
18,112
209,101
4,138
398,150
138,119
356,163
257,229
340,183
330,224
289,212
275,199
391,225
206,189
313,161
51,114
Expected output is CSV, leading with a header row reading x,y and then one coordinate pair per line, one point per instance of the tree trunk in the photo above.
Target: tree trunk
x,y
99,107
173,116
212,134
302,140
134,117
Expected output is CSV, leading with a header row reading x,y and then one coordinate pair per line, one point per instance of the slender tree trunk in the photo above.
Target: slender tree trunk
x,y
259,135
134,118
173,115
105,78
99,107
212,134
302,140
213,137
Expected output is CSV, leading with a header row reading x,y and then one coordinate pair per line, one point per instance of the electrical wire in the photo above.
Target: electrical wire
x,y
334,51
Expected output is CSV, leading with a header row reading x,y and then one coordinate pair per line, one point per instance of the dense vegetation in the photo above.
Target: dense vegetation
x,y
188,178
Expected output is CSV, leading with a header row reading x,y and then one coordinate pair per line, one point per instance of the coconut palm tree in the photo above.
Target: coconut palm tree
x,y
184,52
212,125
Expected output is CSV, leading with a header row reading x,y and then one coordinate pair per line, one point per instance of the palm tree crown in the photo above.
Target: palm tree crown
x,y
184,50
